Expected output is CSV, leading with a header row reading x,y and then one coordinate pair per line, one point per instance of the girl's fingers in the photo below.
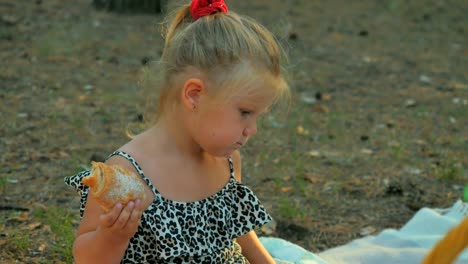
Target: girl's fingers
x,y
109,219
136,213
124,216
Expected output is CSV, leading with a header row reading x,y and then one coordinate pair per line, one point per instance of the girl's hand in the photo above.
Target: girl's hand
x,y
121,222
104,237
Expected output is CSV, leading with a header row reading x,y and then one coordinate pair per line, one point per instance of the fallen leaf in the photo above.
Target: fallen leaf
x,y
336,36
308,99
367,230
367,151
9,19
314,153
410,103
23,216
82,97
46,228
301,131
420,142
414,171
326,97
61,102
329,185
63,155
287,178
34,226
368,59
286,189
311,179
320,109
14,165
458,85
424,78
42,247
355,181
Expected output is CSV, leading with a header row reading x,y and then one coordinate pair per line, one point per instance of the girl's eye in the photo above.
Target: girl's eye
x,y
244,112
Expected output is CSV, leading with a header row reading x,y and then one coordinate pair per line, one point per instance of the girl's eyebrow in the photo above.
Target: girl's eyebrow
x,y
259,111
253,106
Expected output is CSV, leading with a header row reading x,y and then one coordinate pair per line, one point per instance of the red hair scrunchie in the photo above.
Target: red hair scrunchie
x,y
201,8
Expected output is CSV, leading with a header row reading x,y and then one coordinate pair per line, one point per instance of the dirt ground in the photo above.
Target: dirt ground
x,y
376,129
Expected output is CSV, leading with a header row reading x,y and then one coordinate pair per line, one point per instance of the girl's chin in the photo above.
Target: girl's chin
x,y
226,153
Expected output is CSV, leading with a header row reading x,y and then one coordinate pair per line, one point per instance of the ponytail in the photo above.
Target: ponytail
x,y
181,17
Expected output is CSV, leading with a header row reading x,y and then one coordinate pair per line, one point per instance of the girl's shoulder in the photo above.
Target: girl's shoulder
x,y
128,154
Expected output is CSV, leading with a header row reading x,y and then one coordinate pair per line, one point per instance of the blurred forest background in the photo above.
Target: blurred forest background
x,y
377,128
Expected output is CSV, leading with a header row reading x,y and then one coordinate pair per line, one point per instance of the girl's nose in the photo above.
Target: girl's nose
x,y
250,130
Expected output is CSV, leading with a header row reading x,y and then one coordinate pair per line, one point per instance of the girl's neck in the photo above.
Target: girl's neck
x,y
172,138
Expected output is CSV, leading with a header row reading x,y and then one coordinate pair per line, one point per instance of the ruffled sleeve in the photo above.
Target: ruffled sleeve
x,y
248,212
75,182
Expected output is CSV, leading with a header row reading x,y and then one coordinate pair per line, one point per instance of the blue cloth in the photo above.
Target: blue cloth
x,y
286,252
407,245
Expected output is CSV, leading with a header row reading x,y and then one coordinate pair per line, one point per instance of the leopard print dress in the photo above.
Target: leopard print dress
x,y
189,232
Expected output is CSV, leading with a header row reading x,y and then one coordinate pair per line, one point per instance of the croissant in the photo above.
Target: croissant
x,y
111,184
450,246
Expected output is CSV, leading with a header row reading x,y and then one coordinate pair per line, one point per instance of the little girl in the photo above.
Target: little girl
x,y
220,72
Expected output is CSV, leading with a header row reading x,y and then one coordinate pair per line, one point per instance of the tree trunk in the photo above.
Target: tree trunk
x,y
131,6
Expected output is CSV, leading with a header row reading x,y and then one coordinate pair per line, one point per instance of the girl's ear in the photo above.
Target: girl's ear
x,y
191,92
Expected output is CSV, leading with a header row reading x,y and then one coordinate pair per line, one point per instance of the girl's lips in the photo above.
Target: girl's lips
x,y
239,144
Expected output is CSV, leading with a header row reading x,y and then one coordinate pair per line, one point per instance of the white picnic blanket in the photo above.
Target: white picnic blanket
x,y
407,245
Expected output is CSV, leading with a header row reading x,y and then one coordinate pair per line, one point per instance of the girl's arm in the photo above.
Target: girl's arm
x,y
104,237
252,249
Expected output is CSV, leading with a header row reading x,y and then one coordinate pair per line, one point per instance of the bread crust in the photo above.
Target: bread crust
x,y
112,184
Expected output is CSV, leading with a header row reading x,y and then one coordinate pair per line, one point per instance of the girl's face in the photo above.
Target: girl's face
x,y
222,128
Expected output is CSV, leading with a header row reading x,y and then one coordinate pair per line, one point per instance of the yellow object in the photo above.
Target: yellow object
x,y
113,184
450,246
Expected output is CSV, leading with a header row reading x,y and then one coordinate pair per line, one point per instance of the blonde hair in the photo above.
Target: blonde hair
x,y
233,50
